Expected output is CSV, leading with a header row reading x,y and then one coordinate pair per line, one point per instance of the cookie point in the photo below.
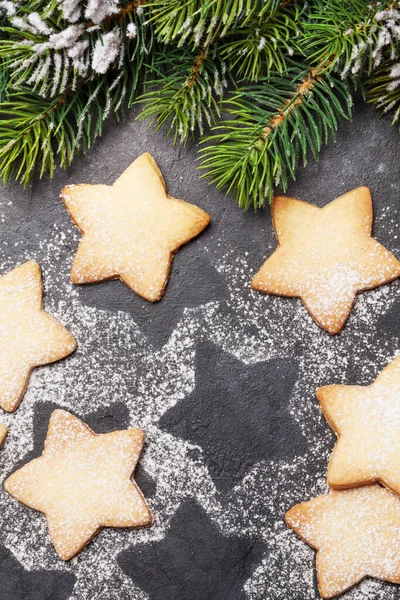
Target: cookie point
x,y
63,554
363,189
361,193
8,484
10,407
150,519
334,329
291,516
75,277
32,266
3,433
320,393
333,480
139,433
145,157
72,343
256,282
64,191
60,413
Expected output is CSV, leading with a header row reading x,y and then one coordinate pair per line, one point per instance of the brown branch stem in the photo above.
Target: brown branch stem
x,y
284,111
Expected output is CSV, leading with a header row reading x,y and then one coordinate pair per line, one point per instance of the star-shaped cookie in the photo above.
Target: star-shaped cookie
x,y
3,433
366,420
356,533
82,482
326,256
29,337
131,229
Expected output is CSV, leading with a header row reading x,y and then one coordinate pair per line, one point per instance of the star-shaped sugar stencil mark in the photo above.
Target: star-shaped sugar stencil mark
x,y
17,583
195,560
390,320
252,325
257,395
194,282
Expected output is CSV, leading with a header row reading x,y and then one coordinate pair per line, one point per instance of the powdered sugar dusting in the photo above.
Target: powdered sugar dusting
x,y
253,328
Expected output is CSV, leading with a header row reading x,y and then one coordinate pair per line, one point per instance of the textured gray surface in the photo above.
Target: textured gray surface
x,y
181,368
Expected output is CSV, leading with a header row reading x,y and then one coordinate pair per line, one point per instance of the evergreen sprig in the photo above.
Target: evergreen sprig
x,y
271,126
61,114
352,37
383,90
186,95
261,83
38,134
263,42
200,22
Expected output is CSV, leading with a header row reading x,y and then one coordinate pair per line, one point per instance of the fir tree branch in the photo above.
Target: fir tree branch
x,y
352,37
35,132
199,22
264,42
65,65
271,127
185,94
52,54
383,90
4,79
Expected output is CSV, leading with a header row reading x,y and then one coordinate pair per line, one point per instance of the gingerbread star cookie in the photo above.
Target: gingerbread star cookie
x,y
82,482
131,229
326,256
29,337
356,533
366,420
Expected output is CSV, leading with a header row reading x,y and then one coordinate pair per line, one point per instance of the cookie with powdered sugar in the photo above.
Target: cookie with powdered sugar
x,y
30,337
356,534
131,229
326,256
82,482
366,420
3,433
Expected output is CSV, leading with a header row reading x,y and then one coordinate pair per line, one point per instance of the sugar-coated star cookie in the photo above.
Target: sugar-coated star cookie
x,y
3,433
82,482
356,533
131,229
29,336
366,420
326,256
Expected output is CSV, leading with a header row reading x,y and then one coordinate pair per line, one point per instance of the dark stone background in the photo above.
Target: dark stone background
x,y
361,148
